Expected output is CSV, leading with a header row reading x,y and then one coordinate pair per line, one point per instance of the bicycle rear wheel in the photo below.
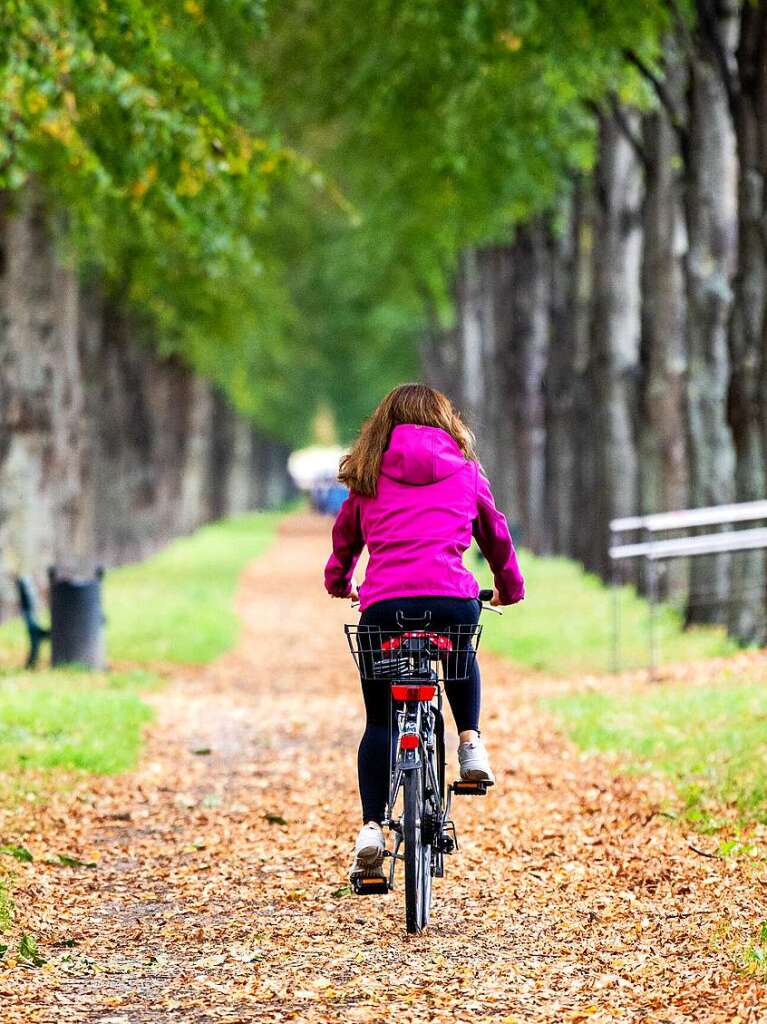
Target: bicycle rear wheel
x,y
417,852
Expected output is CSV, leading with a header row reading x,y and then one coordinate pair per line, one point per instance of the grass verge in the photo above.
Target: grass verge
x,y
6,907
753,957
175,607
709,739
71,720
565,624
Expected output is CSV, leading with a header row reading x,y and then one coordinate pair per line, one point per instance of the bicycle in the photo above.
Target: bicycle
x,y
415,662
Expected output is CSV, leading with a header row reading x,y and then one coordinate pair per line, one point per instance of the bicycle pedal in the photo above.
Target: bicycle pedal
x,y
448,843
470,787
370,885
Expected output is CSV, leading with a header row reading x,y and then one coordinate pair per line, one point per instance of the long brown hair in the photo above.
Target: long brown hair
x,y
408,403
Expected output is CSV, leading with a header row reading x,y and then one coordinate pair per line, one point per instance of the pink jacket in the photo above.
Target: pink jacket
x,y
431,500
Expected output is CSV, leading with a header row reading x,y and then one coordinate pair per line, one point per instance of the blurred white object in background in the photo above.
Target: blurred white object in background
x,y
314,465
315,471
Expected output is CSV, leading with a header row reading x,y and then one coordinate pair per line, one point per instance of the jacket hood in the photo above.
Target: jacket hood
x,y
421,455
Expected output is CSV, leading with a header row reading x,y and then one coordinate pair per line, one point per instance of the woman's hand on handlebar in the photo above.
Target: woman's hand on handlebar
x,y
495,600
354,594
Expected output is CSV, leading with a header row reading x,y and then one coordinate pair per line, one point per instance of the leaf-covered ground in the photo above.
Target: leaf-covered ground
x,y
218,891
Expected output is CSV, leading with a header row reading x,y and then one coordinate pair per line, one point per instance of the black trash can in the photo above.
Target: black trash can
x,y
77,620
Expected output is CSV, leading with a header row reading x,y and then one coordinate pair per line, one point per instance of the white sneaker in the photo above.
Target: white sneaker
x,y
368,851
474,762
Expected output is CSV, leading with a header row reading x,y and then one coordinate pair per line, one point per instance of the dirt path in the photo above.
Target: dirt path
x,y
570,900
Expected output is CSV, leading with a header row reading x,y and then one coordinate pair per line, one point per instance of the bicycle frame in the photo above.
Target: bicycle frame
x,y
414,662
418,719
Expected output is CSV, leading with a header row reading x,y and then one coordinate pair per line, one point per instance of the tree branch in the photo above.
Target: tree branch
x,y
710,28
675,117
657,83
633,139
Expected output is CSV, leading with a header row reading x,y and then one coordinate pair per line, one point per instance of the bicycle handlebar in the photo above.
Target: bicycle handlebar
x,y
483,597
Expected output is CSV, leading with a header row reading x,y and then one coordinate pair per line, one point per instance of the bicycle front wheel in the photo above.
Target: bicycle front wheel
x,y
417,852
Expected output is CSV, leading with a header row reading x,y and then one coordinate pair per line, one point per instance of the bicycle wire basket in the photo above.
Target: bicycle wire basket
x,y
427,652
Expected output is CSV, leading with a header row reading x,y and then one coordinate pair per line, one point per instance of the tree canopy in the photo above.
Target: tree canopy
x,y
281,191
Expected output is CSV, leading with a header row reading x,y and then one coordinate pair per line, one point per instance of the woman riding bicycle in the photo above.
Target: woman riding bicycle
x,y
417,496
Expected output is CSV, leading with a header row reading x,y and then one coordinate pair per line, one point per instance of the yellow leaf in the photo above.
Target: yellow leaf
x,y
510,41
58,127
35,102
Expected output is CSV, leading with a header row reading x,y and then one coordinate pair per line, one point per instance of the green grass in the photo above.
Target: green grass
x,y
175,607
6,907
753,958
709,739
178,605
71,720
564,625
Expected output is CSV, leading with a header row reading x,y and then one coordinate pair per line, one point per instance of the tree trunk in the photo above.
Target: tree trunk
x,y
663,449
663,467
484,294
503,303
40,397
560,383
526,357
710,212
746,401
583,510
440,354
616,328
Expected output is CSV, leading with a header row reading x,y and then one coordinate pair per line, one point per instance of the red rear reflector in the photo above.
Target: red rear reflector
x,y
409,741
400,691
392,644
444,643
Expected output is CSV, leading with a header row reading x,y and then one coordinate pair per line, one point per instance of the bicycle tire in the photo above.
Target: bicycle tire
x,y
437,856
417,853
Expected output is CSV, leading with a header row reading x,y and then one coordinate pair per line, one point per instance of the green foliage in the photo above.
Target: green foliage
x,y
20,853
566,625
138,123
709,739
280,196
13,642
753,959
67,861
28,952
6,912
178,606
445,123
70,720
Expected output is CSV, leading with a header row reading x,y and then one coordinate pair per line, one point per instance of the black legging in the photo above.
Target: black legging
x,y
463,694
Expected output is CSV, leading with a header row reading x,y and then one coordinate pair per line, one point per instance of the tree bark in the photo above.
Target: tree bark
x,y
663,448
710,213
583,510
616,328
105,448
40,396
440,354
746,399
484,296
526,351
503,302
663,466
560,382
